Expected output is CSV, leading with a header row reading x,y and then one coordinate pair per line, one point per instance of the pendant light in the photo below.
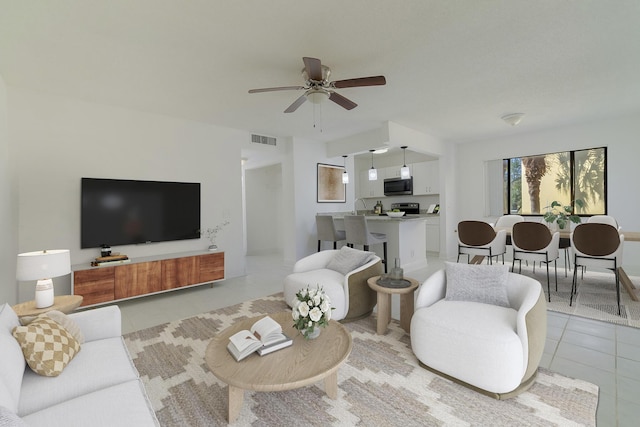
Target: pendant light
x,y
373,173
405,173
345,175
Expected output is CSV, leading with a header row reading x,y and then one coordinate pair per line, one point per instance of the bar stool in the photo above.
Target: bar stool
x,y
358,233
327,231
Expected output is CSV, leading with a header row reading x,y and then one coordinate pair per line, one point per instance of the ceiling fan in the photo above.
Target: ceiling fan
x,y
317,86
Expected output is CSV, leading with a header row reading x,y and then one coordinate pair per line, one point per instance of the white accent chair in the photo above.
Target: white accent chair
x,y
350,295
491,349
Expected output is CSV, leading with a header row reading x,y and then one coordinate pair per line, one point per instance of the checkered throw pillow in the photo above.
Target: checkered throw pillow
x,y
47,347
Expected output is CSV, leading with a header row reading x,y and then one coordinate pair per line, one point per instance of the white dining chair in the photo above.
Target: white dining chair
x,y
596,245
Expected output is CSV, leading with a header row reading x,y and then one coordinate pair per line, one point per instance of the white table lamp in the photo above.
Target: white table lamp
x,y
43,266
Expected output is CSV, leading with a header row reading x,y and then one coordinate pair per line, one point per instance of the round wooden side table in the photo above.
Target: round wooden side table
x,y
384,303
63,303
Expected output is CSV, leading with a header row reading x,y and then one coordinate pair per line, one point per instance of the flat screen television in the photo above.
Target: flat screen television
x,y
123,212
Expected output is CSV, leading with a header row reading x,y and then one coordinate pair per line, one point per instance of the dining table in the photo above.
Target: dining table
x,y
565,236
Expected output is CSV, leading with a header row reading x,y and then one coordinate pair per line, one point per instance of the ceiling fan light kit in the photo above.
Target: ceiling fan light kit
x,y
318,88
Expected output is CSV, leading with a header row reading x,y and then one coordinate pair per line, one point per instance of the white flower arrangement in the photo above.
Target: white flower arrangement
x,y
311,310
212,233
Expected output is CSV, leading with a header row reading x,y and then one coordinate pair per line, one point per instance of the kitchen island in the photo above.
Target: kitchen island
x,y
405,239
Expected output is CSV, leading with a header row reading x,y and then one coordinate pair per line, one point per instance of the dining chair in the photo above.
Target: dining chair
x,y
357,233
327,232
533,241
596,245
480,238
604,219
507,221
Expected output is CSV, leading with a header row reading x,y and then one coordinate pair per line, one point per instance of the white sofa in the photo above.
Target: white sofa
x,y
99,387
492,349
351,297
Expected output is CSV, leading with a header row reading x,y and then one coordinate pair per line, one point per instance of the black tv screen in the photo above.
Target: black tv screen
x,y
122,212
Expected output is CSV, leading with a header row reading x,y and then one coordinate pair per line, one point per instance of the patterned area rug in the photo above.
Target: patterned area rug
x,y
381,384
596,298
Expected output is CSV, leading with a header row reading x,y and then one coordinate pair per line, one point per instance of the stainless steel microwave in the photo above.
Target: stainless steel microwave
x,y
398,186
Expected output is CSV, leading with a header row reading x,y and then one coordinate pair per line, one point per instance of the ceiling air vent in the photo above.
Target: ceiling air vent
x,y
260,139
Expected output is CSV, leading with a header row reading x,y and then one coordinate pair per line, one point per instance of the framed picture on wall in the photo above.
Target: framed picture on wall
x,y
330,186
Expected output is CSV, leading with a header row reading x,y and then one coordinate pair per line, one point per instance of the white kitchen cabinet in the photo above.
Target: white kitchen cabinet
x,y
394,171
433,234
371,188
426,178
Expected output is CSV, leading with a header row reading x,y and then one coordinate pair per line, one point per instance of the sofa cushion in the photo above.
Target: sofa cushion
x,y
61,319
102,363
47,346
10,419
13,363
479,283
123,404
348,259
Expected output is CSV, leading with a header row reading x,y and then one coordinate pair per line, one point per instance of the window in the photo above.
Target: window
x,y
532,183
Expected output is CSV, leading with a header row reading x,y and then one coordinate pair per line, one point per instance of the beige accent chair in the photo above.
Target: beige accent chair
x,y
350,295
492,349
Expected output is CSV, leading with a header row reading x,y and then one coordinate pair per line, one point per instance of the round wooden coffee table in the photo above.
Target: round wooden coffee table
x,y
384,303
303,363
64,303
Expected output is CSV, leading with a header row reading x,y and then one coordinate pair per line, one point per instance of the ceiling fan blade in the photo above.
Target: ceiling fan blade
x,y
273,89
314,68
342,101
362,81
298,102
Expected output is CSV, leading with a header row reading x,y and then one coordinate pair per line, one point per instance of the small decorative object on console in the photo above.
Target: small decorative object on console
x,y
212,233
311,310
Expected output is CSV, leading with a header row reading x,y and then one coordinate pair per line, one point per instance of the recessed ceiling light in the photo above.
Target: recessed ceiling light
x,y
513,119
380,151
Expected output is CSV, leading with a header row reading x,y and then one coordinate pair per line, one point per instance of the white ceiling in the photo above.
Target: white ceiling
x,y
453,67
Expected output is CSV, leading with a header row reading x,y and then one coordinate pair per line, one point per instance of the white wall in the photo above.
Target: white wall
x,y
57,141
619,135
264,205
306,154
8,210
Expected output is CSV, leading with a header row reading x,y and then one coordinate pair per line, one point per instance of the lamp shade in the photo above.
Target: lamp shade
x,y
43,264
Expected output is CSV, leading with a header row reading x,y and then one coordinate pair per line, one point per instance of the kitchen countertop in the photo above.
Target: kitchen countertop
x,y
384,217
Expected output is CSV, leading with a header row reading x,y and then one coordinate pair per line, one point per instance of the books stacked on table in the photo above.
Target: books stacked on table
x,y
110,260
264,337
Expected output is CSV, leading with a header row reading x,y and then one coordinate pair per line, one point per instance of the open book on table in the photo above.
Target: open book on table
x,y
264,337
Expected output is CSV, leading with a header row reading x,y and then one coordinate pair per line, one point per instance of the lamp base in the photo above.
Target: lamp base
x,y
44,293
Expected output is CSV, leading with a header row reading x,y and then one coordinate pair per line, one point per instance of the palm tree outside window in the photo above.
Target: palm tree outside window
x,y
532,183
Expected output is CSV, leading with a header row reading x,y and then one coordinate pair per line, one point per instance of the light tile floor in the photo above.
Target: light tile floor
x,y
602,353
